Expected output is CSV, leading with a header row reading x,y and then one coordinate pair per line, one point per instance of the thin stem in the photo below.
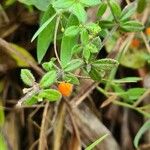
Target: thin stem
x,y
35,90
132,107
123,104
102,91
109,35
79,76
55,39
82,77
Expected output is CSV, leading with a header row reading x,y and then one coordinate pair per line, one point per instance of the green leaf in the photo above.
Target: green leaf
x,y
46,36
143,129
102,9
90,147
44,25
105,64
50,95
71,79
76,49
86,54
48,65
93,28
103,33
132,94
96,75
27,77
73,65
31,101
19,61
92,48
106,24
115,8
78,10
134,60
66,49
127,80
90,2
68,42
72,31
62,4
135,93
40,4
84,36
117,88
48,79
97,42
131,26
72,20
141,5
128,11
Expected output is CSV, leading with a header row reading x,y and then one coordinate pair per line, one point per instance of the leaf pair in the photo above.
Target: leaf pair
x,y
48,79
129,25
121,16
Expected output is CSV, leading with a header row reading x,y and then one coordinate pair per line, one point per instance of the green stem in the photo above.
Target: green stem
x,y
109,35
102,91
55,39
132,107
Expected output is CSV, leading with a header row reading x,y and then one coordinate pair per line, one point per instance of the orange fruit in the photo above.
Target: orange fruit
x,y
147,31
65,88
135,43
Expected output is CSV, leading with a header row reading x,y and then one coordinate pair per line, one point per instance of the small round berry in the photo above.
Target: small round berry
x,y
147,31
65,88
135,43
